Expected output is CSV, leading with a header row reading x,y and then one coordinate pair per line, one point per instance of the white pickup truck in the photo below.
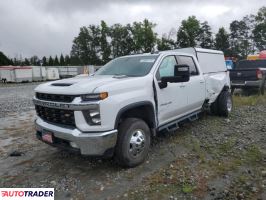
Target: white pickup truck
x,y
116,111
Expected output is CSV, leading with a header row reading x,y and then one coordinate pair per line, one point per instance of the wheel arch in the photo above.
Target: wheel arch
x,y
143,110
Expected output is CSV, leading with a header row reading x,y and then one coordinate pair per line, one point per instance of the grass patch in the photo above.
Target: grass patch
x,y
227,146
249,100
187,188
253,154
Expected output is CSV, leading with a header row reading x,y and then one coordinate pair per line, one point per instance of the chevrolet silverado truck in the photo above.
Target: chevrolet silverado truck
x,y
248,75
117,110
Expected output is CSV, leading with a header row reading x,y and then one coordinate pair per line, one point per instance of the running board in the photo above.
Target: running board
x,y
193,118
172,126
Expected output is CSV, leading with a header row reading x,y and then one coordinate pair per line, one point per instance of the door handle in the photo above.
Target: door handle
x,y
182,86
201,81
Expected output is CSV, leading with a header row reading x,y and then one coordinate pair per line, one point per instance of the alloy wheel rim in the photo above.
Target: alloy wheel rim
x,y
137,143
229,104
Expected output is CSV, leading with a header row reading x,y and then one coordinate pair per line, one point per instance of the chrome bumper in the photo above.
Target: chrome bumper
x,y
247,84
94,144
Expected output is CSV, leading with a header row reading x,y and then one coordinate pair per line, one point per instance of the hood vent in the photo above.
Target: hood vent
x,y
62,84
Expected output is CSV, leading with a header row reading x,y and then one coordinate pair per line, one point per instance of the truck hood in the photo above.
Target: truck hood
x,y
79,85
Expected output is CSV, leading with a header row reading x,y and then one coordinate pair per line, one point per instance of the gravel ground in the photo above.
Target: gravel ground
x,y
16,98
211,158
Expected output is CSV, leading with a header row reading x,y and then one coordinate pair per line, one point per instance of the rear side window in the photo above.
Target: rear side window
x,y
187,60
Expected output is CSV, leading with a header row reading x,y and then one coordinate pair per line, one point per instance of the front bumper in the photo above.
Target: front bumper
x,y
93,144
251,84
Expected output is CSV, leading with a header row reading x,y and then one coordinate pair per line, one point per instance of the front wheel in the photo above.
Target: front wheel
x,y
133,142
225,103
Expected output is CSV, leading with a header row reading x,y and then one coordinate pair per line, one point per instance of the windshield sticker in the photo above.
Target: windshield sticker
x,y
147,60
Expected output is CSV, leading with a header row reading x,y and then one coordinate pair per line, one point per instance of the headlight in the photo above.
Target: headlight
x,y
96,96
92,117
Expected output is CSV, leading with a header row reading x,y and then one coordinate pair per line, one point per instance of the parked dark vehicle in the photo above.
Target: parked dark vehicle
x,y
249,74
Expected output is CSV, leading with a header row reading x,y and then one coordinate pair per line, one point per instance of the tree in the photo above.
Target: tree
x,y
4,60
105,46
188,32
205,36
34,60
260,29
121,40
56,62
241,37
26,62
86,46
75,60
222,41
143,36
44,61
165,43
67,60
260,36
62,60
50,61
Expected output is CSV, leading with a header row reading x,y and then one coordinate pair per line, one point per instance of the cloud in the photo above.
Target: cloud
x,y
48,27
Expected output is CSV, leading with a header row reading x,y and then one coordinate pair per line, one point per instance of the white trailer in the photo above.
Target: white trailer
x,y
67,71
7,74
23,74
38,73
52,74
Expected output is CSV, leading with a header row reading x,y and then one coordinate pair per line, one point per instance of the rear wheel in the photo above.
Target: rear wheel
x,y
262,88
214,107
133,142
225,103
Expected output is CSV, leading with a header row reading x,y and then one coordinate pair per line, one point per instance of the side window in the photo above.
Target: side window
x,y
187,60
167,67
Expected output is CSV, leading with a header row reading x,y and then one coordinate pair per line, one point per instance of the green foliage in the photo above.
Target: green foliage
x,y
34,60
67,60
187,188
4,60
143,36
56,62
241,37
165,44
121,40
105,46
205,36
188,33
62,60
26,62
50,61
222,41
44,61
260,29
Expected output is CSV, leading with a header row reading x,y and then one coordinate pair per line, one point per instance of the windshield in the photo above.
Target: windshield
x,y
128,66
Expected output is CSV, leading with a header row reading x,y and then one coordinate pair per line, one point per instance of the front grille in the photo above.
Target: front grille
x,y
55,97
57,116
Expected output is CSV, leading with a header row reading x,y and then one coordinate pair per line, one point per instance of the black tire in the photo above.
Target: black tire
x,y
125,149
262,88
224,101
232,90
214,107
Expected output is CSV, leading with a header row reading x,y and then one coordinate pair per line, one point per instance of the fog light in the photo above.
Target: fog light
x,y
74,145
92,117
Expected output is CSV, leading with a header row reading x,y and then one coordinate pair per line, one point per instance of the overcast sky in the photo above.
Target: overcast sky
x,y
48,27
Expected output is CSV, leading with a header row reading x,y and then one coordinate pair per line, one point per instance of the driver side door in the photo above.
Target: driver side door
x,y
172,100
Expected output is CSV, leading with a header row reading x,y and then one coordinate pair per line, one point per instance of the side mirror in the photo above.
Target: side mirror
x,y
182,74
